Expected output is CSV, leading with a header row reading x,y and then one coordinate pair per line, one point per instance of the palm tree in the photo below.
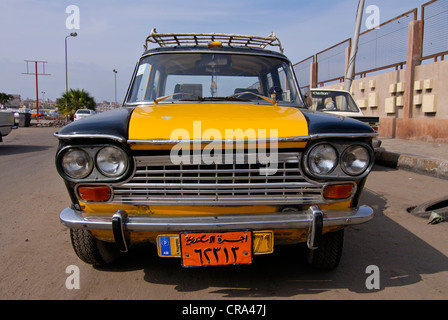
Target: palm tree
x,y
74,100
4,98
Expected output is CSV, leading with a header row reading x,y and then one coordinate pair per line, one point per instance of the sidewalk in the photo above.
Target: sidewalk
x,y
421,157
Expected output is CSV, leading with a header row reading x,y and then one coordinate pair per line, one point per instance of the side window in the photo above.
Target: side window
x,y
140,83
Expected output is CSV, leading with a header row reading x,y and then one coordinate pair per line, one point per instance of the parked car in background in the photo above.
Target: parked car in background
x,y
35,114
54,114
342,103
7,122
83,113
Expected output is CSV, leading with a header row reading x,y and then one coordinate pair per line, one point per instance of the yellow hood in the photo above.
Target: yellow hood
x,y
214,121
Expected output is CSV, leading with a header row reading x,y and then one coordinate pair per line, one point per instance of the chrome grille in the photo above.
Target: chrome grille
x,y
158,181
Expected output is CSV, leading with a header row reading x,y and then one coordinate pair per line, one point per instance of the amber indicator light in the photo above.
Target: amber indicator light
x,y
94,194
338,191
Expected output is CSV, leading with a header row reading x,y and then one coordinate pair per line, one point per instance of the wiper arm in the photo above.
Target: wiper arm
x,y
231,98
156,101
274,102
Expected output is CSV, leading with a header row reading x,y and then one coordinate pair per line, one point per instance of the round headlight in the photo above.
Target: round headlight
x,y
322,159
355,160
112,161
76,163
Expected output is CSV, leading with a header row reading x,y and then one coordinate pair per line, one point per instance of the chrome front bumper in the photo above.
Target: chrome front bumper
x,y
288,220
314,219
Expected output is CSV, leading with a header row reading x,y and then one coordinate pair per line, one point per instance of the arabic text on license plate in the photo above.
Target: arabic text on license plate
x,y
216,248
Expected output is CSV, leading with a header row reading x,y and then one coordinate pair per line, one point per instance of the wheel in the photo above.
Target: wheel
x,y
328,254
91,250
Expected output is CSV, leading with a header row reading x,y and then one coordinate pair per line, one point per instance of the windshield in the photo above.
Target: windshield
x,y
83,111
332,101
212,77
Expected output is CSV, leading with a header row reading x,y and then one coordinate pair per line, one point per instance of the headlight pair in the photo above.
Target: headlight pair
x,y
78,163
338,160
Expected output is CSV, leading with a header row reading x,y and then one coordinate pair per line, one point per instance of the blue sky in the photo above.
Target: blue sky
x,y
112,34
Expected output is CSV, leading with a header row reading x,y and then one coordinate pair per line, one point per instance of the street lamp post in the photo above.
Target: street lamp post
x,y
73,34
350,72
115,76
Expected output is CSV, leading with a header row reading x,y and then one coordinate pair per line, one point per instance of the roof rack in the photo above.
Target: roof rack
x,y
195,39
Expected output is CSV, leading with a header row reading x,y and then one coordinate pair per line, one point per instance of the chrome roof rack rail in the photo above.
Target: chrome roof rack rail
x,y
195,39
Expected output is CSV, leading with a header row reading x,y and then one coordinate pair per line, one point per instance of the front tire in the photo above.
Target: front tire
x,y
328,255
93,251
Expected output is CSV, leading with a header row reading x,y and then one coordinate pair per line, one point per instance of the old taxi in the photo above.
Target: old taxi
x,y
215,158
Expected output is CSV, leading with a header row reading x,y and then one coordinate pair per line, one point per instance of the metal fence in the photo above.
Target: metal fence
x,y
331,62
382,48
302,70
435,29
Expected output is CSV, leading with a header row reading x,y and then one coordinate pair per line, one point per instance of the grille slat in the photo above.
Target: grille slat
x,y
216,178
158,181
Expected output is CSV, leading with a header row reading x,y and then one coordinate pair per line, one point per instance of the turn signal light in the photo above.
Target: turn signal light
x,y
338,191
215,44
95,194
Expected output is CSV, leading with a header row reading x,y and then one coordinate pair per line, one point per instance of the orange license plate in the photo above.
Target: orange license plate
x,y
216,248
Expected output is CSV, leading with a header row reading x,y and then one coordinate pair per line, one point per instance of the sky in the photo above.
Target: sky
x,y
111,34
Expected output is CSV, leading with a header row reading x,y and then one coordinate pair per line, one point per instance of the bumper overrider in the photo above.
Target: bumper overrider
x,y
314,219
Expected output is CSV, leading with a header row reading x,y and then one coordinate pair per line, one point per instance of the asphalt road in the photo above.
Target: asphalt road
x,y
409,257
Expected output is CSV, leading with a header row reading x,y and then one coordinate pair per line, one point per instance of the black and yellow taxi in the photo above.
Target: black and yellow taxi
x,y
215,158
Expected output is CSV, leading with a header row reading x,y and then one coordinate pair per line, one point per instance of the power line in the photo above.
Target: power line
x,y
37,74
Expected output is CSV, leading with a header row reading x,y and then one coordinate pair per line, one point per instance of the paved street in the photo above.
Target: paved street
x,y
35,249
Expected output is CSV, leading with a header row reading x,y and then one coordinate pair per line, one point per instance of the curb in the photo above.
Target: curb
x,y
427,166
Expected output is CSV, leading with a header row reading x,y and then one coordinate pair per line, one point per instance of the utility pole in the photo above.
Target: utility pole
x,y
354,49
36,73
115,76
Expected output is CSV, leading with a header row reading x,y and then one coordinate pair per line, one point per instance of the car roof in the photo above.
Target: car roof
x,y
332,90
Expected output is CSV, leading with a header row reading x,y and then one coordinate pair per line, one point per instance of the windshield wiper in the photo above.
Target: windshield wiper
x,y
156,101
274,102
229,98
234,98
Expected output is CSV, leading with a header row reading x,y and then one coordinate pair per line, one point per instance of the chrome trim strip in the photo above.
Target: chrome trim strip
x,y
292,220
89,136
342,135
222,141
278,140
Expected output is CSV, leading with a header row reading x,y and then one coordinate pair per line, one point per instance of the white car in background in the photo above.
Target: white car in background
x,y
342,103
83,113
